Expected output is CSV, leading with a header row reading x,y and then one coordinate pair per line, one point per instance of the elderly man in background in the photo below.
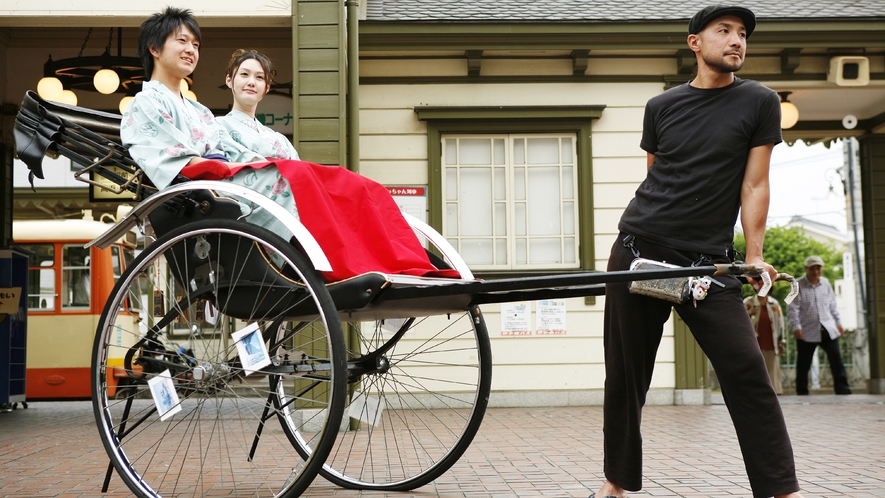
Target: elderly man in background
x,y
815,321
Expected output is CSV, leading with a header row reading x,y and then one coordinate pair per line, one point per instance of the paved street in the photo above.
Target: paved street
x,y
52,449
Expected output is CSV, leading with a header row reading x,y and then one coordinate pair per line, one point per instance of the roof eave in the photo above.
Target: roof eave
x,y
496,35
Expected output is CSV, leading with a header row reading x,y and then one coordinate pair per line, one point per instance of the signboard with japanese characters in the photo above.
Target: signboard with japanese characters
x,y
277,113
9,299
412,200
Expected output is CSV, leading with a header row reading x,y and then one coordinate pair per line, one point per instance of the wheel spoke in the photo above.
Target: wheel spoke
x,y
431,388
220,443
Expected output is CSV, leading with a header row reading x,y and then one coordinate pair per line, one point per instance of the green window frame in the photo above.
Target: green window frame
x,y
511,200
515,120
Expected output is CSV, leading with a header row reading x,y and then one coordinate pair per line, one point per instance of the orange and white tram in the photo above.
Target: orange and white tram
x,y
68,285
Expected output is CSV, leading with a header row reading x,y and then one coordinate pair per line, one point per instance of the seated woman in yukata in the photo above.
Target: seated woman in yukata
x,y
250,76
354,219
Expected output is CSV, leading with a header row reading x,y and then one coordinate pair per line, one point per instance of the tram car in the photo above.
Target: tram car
x,y
68,285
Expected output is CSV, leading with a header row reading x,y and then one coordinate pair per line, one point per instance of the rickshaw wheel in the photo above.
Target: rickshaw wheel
x,y
418,390
180,308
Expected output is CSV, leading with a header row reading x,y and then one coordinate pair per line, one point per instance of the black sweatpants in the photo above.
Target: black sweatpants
x,y
805,356
633,329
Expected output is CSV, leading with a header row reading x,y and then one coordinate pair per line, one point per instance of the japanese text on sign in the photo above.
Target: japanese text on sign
x,y
516,319
269,119
550,317
406,190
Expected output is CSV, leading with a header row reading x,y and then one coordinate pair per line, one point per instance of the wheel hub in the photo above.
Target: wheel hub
x,y
210,374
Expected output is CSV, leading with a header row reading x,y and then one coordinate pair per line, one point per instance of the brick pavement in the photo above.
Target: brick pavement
x,y
53,449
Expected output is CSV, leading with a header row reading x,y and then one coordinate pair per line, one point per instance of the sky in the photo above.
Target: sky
x,y
800,178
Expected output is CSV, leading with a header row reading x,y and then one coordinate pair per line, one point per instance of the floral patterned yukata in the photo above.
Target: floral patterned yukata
x,y
163,134
253,135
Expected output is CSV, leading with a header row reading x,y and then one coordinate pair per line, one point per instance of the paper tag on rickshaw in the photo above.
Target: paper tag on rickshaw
x,y
794,289
766,284
393,324
252,349
366,408
159,304
210,313
165,397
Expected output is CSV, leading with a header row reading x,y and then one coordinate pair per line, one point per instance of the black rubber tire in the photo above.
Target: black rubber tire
x,y
251,276
434,389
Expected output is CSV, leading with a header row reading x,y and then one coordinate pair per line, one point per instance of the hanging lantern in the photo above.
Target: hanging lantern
x,y
67,97
106,81
49,88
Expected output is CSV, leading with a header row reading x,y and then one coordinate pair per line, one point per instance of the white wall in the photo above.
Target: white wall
x,y
393,151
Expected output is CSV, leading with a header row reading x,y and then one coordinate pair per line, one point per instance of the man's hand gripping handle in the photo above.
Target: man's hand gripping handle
x,y
755,271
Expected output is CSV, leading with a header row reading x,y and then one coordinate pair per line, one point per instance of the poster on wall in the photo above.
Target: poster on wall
x,y
516,319
550,317
412,200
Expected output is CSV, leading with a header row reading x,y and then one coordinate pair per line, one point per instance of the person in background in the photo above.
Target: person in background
x,y
815,319
768,321
249,76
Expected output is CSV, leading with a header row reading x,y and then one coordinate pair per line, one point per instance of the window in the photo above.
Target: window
x,y
511,187
128,257
511,200
75,277
41,276
116,262
121,258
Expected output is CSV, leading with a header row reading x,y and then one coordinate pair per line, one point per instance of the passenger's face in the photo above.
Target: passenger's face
x,y
249,83
180,53
723,44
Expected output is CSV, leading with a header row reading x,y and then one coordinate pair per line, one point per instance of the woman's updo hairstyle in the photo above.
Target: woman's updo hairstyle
x,y
241,55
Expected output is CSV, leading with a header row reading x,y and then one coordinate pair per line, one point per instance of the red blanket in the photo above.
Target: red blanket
x,y
354,219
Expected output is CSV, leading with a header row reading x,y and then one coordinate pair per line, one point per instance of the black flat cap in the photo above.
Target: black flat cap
x,y
713,12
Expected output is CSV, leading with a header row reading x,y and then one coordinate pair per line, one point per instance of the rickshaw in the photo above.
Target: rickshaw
x,y
376,382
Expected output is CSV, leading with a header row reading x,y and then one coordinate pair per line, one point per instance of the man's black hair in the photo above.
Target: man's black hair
x,y
157,28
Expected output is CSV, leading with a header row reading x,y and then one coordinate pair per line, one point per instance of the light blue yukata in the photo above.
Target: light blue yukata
x,y
252,134
163,134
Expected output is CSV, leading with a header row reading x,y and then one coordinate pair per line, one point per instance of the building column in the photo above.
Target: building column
x,y
872,167
320,81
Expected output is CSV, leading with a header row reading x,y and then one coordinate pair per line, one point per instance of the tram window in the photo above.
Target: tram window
x,y
116,262
121,258
75,277
41,276
128,256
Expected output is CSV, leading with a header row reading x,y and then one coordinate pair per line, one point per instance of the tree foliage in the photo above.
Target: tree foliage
x,y
786,250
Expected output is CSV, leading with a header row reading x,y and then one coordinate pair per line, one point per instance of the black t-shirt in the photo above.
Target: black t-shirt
x,y
701,139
